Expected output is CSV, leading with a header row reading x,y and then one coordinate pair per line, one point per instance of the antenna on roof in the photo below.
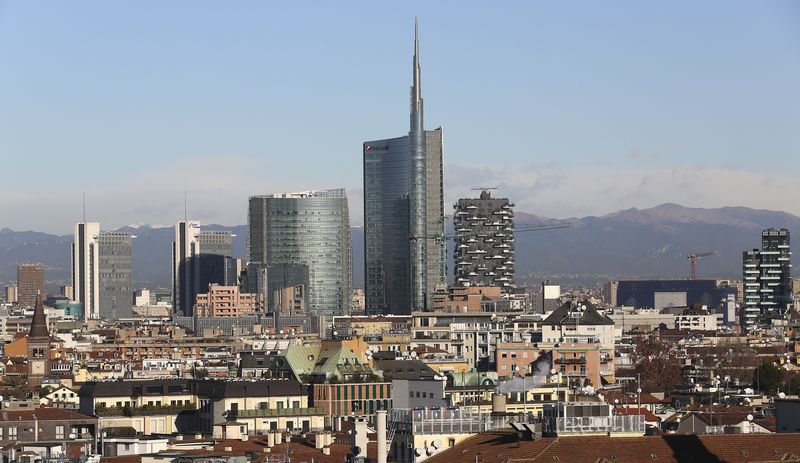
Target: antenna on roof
x,y
185,205
84,207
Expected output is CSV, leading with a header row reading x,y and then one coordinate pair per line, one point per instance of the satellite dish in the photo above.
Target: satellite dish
x,y
436,443
429,450
413,354
782,395
749,417
418,452
356,451
72,435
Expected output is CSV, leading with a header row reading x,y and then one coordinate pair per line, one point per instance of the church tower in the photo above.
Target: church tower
x,y
38,346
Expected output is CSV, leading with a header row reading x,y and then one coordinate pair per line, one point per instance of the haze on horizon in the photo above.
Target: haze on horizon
x,y
569,109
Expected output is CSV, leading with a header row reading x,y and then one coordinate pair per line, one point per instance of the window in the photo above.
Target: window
x,y
60,432
12,433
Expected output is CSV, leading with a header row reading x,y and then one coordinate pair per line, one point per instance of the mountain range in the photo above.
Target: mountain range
x,y
631,243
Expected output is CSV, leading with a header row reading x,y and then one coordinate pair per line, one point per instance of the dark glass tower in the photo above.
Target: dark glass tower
x,y
404,213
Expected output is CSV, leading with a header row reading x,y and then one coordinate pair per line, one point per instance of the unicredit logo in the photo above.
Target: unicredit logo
x,y
376,148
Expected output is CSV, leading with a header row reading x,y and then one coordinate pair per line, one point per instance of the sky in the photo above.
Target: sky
x,y
568,108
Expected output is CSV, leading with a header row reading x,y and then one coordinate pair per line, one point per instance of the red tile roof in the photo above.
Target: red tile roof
x,y
503,447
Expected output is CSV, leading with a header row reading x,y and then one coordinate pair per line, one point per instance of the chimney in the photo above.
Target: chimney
x,y
319,441
270,439
278,437
326,450
380,426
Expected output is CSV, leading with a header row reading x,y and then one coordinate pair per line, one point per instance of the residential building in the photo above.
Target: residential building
x,y
659,294
50,434
310,229
168,406
30,283
404,214
225,301
767,278
484,243
696,318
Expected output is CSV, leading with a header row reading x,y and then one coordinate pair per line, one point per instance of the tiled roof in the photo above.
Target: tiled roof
x,y
42,414
589,316
502,447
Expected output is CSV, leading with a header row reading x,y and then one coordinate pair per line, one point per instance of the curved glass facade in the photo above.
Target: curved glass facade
x,y
309,228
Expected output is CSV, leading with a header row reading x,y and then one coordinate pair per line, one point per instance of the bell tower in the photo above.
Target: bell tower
x,y
38,346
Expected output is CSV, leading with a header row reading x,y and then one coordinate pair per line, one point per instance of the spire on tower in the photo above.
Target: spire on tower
x,y
39,322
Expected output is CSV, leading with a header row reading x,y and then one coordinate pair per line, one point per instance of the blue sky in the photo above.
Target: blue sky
x,y
570,108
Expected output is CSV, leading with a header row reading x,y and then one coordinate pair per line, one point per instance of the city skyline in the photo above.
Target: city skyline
x,y
562,118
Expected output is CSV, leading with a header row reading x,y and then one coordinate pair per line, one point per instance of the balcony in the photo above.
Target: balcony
x,y
274,412
570,361
100,410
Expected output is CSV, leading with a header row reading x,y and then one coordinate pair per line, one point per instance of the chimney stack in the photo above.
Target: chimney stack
x,y
383,451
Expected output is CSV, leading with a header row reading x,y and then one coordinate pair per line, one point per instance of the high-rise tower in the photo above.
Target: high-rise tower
x,y
767,278
404,213
303,238
102,268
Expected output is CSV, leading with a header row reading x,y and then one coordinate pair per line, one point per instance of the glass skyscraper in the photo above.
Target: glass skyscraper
x,y
310,229
404,252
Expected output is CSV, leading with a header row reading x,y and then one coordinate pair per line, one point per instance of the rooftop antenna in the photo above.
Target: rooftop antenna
x,y
84,207
185,205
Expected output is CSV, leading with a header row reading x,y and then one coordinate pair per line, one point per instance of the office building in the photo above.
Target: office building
x,y
660,294
484,245
310,229
102,269
115,275
404,214
12,294
199,258
766,274
30,283
86,268
185,266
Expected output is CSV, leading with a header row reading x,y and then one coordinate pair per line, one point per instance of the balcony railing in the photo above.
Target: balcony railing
x,y
101,410
595,424
570,361
268,412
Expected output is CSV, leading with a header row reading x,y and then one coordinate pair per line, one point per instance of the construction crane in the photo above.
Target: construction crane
x,y
445,237
693,261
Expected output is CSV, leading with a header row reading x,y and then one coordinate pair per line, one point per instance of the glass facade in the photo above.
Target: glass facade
x,y
388,243
404,253
311,229
115,275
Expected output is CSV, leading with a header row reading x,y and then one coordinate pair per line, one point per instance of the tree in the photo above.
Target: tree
x,y
768,377
658,365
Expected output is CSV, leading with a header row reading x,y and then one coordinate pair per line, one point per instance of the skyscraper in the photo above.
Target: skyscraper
x,y
86,268
484,246
30,283
404,213
116,272
102,269
199,258
292,231
767,277
185,266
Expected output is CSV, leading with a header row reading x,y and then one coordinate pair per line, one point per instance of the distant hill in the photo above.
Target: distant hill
x,y
632,243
